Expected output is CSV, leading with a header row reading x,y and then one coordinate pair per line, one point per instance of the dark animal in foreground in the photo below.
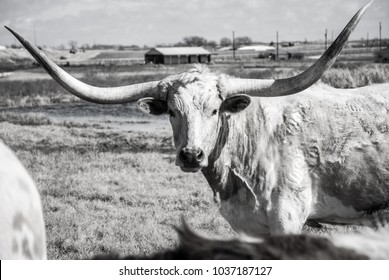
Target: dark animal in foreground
x,y
277,159
367,244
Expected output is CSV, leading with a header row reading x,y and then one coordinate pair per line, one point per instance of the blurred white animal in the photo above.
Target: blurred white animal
x,y
22,229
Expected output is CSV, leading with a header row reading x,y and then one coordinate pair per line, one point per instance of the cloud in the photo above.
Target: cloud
x,y
154,21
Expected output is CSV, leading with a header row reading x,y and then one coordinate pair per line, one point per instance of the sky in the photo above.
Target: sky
x,y
150,22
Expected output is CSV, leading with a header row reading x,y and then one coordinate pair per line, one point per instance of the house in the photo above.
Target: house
x,y
178,55
257,48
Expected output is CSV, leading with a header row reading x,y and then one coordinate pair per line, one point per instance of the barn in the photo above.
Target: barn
x,y
179,55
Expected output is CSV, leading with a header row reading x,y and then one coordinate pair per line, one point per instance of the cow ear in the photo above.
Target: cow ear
x,y
235,103
153,106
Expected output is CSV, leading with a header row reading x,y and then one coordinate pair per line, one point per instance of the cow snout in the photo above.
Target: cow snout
x,y
191,157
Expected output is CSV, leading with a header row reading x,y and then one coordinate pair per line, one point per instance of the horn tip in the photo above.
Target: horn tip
x,y
368,4
9,29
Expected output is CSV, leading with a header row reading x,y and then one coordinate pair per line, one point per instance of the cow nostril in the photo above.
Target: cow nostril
x,y
183,155
200,155
191,156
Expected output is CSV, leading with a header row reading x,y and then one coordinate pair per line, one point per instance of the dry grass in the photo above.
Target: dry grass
x,y
340,76
345,76
24,119
32,93
47,92
100,193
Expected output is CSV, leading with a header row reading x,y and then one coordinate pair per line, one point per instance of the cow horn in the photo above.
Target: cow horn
x,y
110,95
288,86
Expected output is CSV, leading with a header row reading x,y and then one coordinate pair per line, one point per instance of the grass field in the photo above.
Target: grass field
x,y
108,191
106,174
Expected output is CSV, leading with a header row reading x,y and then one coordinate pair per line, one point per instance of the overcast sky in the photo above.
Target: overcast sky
x,y
149,22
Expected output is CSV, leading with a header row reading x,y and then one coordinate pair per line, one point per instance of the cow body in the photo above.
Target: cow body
x,y
322,154
22,231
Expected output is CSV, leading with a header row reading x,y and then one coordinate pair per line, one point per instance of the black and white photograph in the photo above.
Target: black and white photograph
x,y
194,130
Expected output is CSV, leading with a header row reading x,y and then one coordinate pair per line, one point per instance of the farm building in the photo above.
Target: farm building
x,y
257,48
382,56
179,55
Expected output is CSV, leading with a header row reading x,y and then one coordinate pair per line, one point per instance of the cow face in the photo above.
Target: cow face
x,y
194,103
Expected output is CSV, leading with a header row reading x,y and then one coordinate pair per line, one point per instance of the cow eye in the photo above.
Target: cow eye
x,y
214,112
171,113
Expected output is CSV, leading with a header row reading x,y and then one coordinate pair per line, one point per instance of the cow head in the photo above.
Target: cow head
x,y
195,99
194,102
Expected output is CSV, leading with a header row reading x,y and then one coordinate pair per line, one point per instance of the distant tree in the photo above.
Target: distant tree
x,y
212,44
73,44
179,44
86,46
225,42
240,41
194,41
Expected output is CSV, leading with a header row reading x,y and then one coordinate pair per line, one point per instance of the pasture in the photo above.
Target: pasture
x,y
106,173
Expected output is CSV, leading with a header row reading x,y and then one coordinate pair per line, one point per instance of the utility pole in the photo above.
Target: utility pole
x,y
277,46
34,35
380,34
233,44
332,36
325,40
367,41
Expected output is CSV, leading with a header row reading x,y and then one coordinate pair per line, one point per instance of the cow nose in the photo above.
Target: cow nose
x,y
191,157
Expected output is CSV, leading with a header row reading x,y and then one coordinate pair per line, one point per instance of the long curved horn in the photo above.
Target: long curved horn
x,y
288,86
110,95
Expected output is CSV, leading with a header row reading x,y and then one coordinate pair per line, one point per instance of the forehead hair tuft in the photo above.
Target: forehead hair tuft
x,y
200,69
199,73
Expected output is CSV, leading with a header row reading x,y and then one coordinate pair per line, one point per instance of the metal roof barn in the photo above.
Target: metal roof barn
x,y
257,48
179,55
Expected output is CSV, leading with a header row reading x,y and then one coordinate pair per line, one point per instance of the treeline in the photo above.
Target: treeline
x,y
197,41
189,41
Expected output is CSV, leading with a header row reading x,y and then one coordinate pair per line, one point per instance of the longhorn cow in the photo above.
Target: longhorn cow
x,y
22,229
276,158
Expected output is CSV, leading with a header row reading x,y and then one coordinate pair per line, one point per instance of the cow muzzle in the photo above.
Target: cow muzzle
x,y
191,159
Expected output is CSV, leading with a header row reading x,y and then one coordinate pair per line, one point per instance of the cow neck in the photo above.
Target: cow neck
x,y
215,171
